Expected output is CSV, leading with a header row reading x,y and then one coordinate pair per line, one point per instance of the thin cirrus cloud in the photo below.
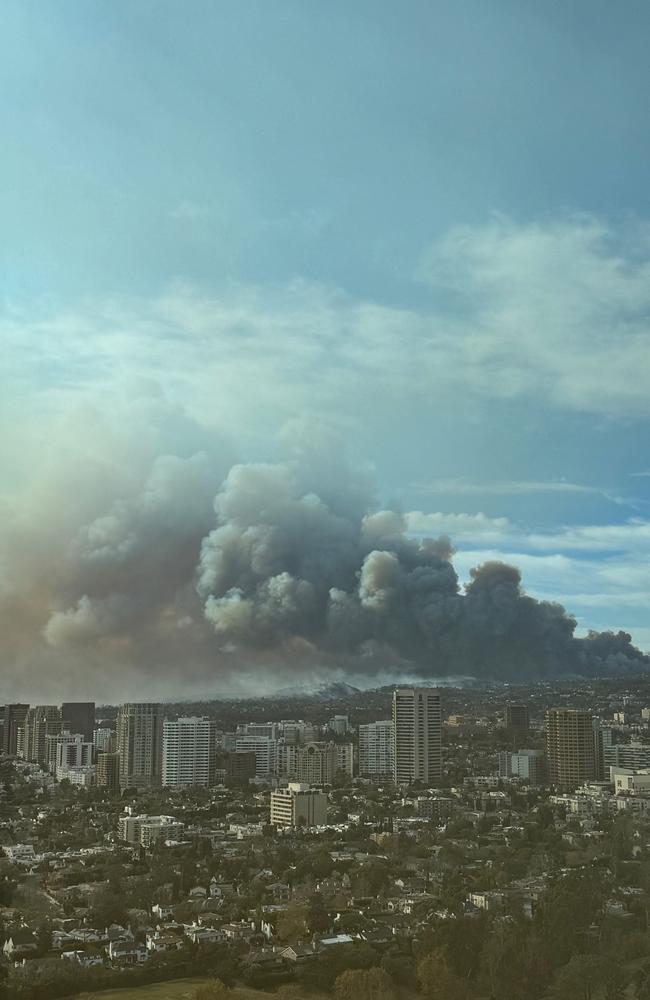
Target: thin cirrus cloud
x,y
504,487
555,312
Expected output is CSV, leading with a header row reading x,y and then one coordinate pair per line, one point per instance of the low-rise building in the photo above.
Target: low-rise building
x,y
298,805
149,830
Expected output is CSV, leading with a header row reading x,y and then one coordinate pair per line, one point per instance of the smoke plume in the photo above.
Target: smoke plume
x,y
146,565
285,564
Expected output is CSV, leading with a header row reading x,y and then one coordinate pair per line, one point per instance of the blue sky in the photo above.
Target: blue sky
x,y
426,225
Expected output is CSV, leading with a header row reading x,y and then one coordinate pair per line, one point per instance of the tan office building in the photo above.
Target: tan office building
x,y
417,736
298,805
570,747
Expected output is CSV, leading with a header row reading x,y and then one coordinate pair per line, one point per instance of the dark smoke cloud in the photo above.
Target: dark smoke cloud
x,y
141,566
283,564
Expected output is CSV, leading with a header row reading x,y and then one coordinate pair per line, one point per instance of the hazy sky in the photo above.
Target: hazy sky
x,y
424,226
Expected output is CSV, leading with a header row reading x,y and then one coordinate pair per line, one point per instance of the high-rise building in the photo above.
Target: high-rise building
x,y
139,743
108,771
571,747
298,806
15,716
65,750
239,768
315,764
79,717
40,722
104,739
417,736
266,753
298,732
376,749
339,724
189,752
344,759
517,719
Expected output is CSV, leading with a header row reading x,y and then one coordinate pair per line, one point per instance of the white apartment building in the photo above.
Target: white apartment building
x,y
298,806
266,753
83,776
376,749
527,765
148,830
417,736
67,751
189,752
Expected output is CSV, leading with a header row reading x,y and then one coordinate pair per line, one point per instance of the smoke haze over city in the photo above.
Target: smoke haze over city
x,y
330,363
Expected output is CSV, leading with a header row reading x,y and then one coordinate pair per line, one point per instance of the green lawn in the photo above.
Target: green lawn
x,y
177,989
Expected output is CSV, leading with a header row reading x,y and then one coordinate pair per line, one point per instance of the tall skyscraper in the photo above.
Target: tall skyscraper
x,y
517,719
139,743
108,771
189,752
376,749
40,722
417,736
14,720
79,717
571,747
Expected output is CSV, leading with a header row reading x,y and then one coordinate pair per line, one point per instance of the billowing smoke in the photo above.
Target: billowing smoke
x,y
148,564
285,564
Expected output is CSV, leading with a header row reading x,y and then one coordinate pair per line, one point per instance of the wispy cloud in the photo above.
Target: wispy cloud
x,y
503,487
554,313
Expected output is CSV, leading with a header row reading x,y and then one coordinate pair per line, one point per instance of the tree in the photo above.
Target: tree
x,y
580,978
292,924
400,969
364,984
318,919
437,981
7,889
642,984
567,908
616,980
44,938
